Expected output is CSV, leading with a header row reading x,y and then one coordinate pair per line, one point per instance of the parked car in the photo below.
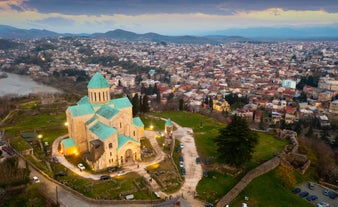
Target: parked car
x,y
303,194
205,173
113,169
207,161
332,195
322,204
122,172
183,171
311,197
55,160
104,177
60,174
326,192
181,164
209,205
181,158
296,190
198,160
81,166
8,150
181,145
36,179
311,185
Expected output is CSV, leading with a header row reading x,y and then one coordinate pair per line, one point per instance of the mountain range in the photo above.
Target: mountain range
x,y
229,35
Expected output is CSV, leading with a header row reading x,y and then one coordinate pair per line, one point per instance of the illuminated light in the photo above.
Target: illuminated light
x,y
151,127
154,166
76,153
40,136
66,123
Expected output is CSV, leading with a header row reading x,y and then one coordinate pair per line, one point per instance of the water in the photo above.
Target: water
x,y
20,85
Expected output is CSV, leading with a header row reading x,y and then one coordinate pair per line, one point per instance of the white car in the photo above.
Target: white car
x,y
122,172
323,204
182,145
36,179
181,164
81,166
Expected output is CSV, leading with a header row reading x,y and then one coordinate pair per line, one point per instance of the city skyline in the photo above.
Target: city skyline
x,y
168,18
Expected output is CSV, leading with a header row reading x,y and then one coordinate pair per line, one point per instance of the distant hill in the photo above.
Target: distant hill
x,y
8,32
228,35
327,32
154,37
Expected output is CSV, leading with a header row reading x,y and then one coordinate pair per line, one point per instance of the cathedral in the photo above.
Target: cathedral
x,y
103,130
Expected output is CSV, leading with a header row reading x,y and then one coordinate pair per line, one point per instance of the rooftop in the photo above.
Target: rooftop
x,y
102,131
98,81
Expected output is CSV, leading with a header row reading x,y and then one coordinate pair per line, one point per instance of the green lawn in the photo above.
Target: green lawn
x,y
218,184
266,148
49,135
215,186
109,189
267,191
35,122
203,135
157,124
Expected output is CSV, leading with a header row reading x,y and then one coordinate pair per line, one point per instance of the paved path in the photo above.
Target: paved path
x,y
193,170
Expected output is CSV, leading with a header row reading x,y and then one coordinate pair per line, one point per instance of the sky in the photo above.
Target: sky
x,y
174,17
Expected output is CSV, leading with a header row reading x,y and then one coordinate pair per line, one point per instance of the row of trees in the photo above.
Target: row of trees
x,y
140,104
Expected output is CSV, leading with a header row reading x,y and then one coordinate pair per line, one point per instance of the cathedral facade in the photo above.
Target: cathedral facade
x,y
103,130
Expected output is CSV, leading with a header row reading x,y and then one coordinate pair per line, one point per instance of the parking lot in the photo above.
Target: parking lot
x,y
318,191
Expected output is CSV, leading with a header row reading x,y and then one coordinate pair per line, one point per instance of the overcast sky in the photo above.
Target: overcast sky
x,y
174,17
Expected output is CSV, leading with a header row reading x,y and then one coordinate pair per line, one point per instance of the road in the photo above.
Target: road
x,y
188,189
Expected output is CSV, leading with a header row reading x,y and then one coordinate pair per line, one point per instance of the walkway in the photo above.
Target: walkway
x,y
193,170
245,181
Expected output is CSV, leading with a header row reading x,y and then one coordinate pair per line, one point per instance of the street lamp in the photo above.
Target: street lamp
x,y
40,136
151,127
66,124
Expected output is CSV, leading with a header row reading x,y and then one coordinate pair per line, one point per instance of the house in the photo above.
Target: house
x,y
334,107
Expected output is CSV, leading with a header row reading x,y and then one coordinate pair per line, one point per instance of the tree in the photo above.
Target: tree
x,y
181,102
136,104
236,141
145,105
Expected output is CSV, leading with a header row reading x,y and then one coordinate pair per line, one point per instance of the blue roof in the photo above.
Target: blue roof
x,y
98,81
121,102
168,122
102,131
107,112
67,143
138,122
81,110
83,100
122,140
91,120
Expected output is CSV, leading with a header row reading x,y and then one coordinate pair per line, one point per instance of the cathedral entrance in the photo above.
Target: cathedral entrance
x,y
129,156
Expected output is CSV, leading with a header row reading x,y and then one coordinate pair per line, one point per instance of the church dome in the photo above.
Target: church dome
x,y
98,81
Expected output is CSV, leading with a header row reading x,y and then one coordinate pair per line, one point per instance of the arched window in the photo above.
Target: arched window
x,y
120,125
110,145
134,133
111,154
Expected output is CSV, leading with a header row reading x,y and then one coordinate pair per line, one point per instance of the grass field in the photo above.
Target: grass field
x,y
267,191
217,184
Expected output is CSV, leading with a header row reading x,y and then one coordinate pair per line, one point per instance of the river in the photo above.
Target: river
x,y
21,85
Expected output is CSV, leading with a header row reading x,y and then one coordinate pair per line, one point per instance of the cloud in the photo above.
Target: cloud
x,y
20,13
138,7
